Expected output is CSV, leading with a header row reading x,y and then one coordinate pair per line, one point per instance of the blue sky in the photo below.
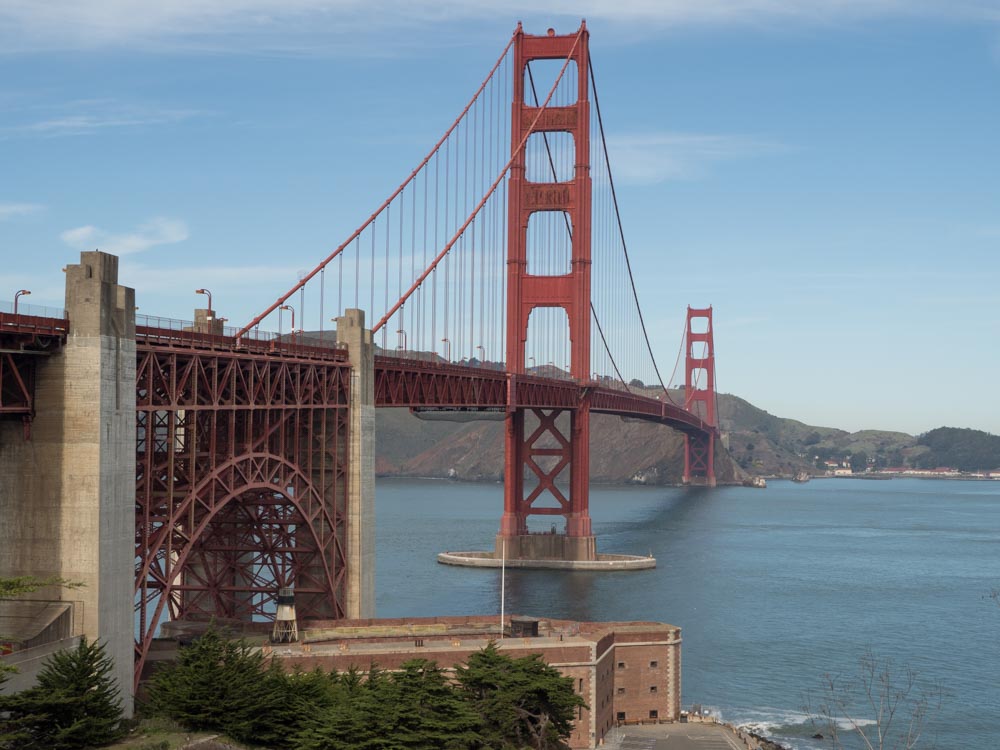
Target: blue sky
x,y
826,175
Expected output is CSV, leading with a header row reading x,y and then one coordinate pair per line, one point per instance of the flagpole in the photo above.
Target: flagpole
x,y
503,581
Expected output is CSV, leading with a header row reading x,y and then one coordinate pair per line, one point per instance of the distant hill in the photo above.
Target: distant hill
x,y
963,449
621,451
756,443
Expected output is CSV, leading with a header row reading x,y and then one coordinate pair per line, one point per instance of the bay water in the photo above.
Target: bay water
x,y
772,588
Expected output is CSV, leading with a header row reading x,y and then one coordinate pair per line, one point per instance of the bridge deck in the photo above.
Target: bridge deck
x,y
416,383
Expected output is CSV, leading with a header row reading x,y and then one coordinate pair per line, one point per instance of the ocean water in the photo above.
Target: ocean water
x,y
773,588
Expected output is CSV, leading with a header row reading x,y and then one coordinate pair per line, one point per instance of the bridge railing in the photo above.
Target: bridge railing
x,y
33,324
38,311
162,331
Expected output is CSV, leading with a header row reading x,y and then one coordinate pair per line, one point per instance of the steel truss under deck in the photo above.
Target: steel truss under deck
x,y
241,462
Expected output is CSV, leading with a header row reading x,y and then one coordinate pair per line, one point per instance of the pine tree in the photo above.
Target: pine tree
x,y
75,704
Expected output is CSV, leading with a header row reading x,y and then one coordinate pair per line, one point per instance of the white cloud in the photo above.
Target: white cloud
x,y
11,210
649,158
158,231
87,116
287,25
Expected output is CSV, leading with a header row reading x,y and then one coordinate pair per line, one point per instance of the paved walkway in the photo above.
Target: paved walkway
x,y
680,737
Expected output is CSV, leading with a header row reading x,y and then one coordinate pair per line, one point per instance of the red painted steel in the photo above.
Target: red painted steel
x,y
241,460
699,397
415,384
571,292
24,340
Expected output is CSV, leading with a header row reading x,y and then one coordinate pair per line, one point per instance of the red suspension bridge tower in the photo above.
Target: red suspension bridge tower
x,y
541,444
699,396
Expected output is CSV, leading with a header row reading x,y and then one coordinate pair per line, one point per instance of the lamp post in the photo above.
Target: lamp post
x,y
292,310
402,340
532,363
482,354
209,295
20,293
447,349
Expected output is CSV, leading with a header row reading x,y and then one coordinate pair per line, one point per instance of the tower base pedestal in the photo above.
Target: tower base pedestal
x,y
546,547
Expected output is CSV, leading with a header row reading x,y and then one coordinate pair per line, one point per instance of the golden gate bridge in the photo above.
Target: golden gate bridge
x,y
496,277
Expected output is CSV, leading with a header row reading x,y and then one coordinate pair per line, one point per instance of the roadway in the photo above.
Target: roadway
x,y
680,737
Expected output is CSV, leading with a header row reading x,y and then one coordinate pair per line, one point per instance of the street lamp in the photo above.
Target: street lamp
x,y
532,363
447,349
20,293
482,354
292,310
402,340
209,295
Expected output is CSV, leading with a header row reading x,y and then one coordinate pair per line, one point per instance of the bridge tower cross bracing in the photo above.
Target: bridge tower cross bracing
x,y
699,397
547,451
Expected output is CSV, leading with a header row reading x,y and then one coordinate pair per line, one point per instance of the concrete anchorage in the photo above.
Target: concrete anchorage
x,y
67,496
351,333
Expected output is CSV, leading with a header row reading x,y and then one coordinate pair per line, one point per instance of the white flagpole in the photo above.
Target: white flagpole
x,y
503,581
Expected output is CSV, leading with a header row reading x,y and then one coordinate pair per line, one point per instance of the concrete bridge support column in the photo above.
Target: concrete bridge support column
x,y
360,532
67,497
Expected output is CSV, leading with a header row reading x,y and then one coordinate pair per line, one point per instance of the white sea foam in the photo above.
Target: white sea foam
x,y
794,729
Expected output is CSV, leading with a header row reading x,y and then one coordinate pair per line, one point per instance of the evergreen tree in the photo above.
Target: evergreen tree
x,y
429,712
523,702
75,704
286,703
362,716
216,684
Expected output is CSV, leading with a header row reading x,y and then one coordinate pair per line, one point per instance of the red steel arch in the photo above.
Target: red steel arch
x,y
241,483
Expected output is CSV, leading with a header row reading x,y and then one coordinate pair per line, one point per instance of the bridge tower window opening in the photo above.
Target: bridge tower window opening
x,y
550,157
548,342
550,250
540,75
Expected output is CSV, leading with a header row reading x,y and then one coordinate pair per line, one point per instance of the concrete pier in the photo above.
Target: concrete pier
x,y
360,598
601,562
67,495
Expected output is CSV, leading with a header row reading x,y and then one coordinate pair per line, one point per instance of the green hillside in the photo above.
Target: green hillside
x,y
754,441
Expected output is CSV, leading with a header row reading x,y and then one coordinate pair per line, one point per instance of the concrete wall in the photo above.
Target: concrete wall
x,y
360,594
67,496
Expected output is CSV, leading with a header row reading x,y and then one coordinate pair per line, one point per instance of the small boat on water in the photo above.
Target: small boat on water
x,y
801,477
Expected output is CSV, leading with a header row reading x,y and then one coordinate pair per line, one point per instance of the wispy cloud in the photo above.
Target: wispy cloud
x,y
153,278
12,210
157,231
88,116
649,158
284,25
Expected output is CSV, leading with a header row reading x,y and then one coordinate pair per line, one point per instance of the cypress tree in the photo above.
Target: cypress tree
x,y
217,684
75,704
430,713
523,702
